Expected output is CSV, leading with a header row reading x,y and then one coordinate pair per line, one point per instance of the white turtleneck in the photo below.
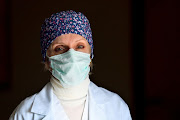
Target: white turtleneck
x,y
72,99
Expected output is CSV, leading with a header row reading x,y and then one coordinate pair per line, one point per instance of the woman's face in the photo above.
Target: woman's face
x,y
67,41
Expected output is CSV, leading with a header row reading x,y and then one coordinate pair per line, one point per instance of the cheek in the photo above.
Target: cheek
x,y
50,52
89,49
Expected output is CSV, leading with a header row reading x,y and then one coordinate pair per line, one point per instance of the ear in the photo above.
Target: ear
x,y
47,62
47,65
91,65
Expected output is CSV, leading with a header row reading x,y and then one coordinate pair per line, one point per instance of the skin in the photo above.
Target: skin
x,y
67,41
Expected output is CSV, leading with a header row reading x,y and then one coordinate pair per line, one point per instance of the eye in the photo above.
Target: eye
x,y
80,46
59,48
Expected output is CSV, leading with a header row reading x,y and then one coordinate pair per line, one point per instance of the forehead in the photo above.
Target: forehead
x,y
69,38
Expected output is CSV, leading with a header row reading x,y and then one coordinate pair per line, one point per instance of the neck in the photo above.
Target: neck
x,y
73,93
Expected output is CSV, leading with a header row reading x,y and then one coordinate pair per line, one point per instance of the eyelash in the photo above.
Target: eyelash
x,y
57,49
62,48
80,45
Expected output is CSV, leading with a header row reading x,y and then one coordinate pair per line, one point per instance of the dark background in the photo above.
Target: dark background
x,y
136,52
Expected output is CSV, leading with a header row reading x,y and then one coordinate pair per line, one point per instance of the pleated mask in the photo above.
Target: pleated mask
x,y
71,67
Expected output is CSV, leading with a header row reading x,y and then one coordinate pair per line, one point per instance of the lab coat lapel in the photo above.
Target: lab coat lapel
x,y
42,101
96,109
46,103
57,112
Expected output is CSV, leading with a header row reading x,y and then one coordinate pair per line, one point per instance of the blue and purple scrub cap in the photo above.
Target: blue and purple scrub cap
x,y
64,22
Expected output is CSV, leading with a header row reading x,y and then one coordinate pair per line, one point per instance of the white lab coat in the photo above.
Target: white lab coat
x,y
102,105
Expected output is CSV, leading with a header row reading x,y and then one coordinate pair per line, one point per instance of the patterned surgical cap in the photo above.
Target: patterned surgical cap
x,y
64,22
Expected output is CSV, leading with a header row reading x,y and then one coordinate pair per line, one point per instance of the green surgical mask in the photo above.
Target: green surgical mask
x,y
71,67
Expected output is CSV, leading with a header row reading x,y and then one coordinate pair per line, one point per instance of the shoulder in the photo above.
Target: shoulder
x,y
33,104
103,95
26,104
113,99
111,102
24,107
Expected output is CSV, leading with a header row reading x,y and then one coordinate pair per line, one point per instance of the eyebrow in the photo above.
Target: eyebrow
x,y
75,41
59,43
80,40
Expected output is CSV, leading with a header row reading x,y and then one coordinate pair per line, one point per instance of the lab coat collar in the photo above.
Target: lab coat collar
x,y
97,99
45,100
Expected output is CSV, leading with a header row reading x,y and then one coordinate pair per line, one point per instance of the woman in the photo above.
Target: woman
x,y
67,51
